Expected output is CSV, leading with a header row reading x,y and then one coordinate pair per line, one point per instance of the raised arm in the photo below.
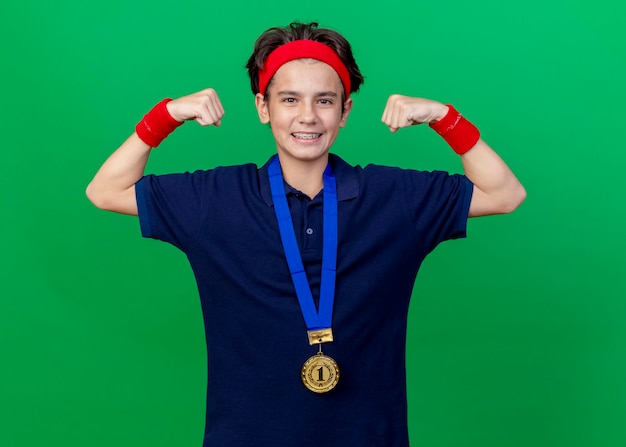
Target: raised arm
x,y
113,186
496,189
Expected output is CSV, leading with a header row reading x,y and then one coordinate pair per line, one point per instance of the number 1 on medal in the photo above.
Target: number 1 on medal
x,y
321,374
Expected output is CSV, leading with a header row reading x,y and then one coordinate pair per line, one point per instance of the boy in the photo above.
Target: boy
x,y
306,265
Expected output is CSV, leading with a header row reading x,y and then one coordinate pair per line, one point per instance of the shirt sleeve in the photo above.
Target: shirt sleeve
x,y
171,207
439,205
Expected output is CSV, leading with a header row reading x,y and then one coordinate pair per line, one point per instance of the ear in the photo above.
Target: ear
x,y
262,108
347,107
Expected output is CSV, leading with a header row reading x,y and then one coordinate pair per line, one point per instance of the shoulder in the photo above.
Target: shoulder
x,y
390,183
383,171
200,187
391,175
225,173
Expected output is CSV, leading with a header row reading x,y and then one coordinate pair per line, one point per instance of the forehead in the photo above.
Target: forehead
x,y
303,74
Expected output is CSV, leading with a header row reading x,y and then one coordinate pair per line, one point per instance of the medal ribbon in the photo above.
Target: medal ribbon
x,y
314,320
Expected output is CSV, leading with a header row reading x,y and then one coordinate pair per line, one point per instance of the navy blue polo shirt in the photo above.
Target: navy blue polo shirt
x,y
223,219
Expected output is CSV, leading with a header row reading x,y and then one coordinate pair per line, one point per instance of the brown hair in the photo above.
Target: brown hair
x,y
274,37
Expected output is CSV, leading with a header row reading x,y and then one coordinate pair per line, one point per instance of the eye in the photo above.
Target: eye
x,y
325,101
289,99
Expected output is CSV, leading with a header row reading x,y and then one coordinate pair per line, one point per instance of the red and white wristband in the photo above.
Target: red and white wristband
x,y
457,131
157,124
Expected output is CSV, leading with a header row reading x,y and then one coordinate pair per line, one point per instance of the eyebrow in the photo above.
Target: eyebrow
x,y
294,93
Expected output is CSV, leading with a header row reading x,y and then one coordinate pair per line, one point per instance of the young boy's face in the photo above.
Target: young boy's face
x,y
304,109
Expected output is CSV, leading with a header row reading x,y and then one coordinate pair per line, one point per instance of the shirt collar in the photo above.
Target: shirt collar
x,y
347,180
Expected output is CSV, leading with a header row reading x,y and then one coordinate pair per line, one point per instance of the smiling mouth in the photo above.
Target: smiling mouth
x,y
306,136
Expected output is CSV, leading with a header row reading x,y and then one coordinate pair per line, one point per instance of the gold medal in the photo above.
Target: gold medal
x,y
320,373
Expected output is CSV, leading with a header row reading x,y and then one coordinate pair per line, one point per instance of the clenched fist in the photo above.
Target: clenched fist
x,y
404,111
203,107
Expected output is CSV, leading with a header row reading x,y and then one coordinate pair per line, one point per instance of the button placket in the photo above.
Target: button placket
x,y
311,221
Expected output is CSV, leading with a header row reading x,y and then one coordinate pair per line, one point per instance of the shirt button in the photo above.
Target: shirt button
x,y
309,231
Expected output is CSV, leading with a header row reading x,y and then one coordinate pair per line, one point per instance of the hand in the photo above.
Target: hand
x,y
404,111
203,107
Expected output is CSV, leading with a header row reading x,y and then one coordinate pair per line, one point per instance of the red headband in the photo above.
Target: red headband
x,y
301,49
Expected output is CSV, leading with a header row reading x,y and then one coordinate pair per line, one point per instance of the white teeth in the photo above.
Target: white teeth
x,y
307,136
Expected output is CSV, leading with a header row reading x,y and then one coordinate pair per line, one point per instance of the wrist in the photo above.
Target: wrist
x,y
457,131
440,113
157,124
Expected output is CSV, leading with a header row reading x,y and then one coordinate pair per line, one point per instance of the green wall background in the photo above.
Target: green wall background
x,y
517,334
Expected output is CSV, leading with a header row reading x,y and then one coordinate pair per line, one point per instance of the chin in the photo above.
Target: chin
x,y
310,157
305,154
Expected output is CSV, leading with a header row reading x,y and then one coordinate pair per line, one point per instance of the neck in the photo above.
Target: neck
x,y
305,176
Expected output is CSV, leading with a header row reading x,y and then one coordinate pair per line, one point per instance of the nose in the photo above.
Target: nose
x,y
306,112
